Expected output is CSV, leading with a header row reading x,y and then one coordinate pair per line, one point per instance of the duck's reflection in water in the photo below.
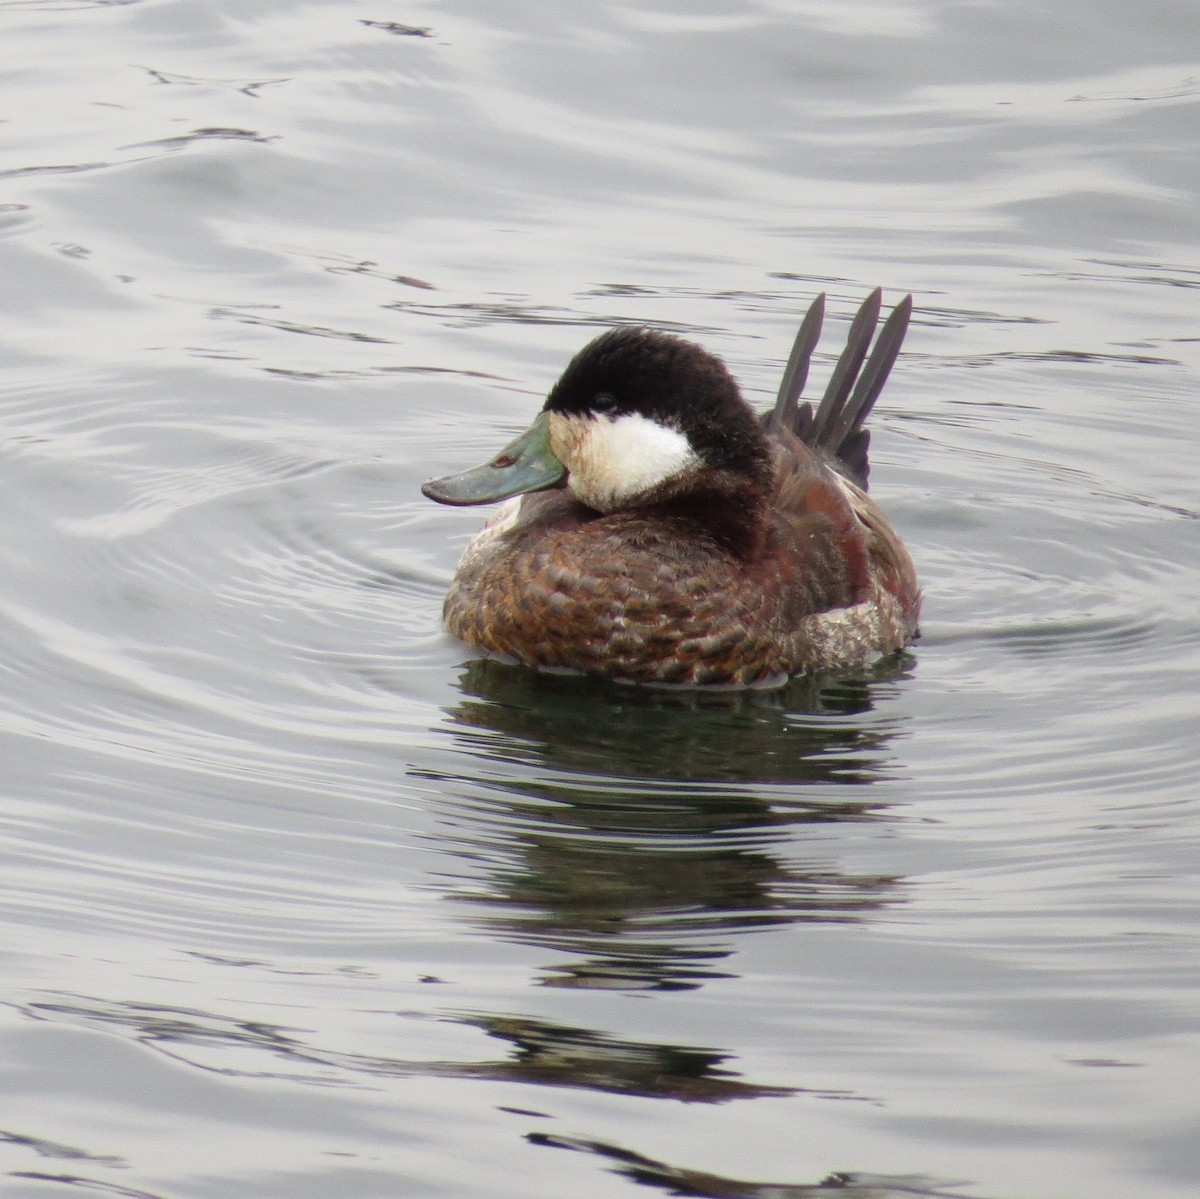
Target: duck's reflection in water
x,y
638,831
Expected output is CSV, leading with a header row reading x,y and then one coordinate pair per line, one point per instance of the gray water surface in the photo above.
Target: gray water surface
x,y
300,900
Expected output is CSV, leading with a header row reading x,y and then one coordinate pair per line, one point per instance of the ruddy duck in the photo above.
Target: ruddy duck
x,y
661,533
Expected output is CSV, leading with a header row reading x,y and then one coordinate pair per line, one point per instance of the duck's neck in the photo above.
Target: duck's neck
x,y
730,511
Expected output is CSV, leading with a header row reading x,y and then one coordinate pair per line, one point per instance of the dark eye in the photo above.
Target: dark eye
x,y
603,401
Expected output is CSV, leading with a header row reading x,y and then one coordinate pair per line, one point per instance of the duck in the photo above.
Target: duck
x,y
656,531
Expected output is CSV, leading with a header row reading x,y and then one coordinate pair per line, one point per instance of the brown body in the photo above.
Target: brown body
x,y
809,577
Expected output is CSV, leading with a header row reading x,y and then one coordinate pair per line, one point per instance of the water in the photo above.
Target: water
x,y
298,900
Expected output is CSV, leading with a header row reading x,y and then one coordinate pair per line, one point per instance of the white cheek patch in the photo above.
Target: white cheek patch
x,y
613,460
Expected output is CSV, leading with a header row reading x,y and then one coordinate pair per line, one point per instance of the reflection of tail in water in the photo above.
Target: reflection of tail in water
x,y
681,1181
641,831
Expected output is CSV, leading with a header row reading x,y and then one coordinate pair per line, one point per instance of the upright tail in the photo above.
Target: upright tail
x,y
836,427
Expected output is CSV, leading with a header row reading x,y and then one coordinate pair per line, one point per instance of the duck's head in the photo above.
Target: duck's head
x,y
638,418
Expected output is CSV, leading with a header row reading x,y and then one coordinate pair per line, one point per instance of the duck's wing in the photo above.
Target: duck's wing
x,y
836,428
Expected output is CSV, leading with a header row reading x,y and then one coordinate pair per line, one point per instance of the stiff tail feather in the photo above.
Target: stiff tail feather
x,y
836,427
